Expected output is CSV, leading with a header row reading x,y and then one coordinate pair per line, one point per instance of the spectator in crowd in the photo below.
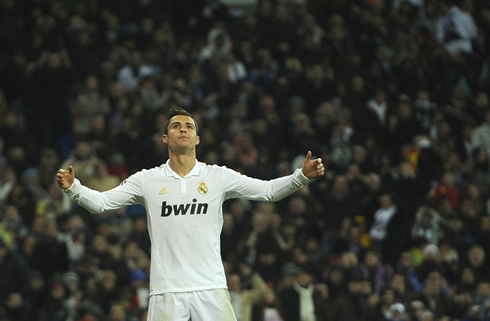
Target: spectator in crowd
x,y
15,299
50,253
476,260
348,305
218,47
407,267
399,283
269,309
53,203
478,167
372,269
132,73
446,188
75,233
434,295
479,136
8,179
304,299
57,306
51,87
101,178
427,226
12,223
118,312
265,247
387,230
456,31
457,234
83,156
90,100
431,261
403,126
247,290
230,238
482,299
382,310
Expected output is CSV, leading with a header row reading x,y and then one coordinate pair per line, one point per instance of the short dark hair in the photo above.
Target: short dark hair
x,y
175,111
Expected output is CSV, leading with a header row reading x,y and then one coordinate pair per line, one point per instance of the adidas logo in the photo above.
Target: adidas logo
x,y
163,191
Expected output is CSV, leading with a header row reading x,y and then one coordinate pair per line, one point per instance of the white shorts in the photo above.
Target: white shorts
x,y
209,305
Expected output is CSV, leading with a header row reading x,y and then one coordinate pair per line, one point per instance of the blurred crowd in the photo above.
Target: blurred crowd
x,y
393,95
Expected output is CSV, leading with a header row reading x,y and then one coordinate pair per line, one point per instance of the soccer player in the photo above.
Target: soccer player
x,y
183,199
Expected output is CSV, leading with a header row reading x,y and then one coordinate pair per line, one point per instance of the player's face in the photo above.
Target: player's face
x,y
181,133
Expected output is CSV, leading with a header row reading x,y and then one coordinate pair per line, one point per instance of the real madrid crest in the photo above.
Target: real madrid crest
x,y
202,189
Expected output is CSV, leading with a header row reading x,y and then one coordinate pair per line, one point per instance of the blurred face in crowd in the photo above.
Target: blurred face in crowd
x,y
371,258
398,283
467,276
483,289
476,255
388,296
380,97
92,82
433,284
303,279
354,287
385,201
349,259
54,60
485,223
234,282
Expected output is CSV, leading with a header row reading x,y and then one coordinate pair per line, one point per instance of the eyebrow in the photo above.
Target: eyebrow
x,y
185,123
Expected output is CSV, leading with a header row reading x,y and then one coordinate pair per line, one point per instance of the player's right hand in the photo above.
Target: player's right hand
x,y
65,178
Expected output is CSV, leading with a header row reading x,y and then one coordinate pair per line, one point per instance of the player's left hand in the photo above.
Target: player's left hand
x,y
313,168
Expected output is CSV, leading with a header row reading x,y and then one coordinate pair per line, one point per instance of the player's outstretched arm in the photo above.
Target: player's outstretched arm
x,y
65,178
313,168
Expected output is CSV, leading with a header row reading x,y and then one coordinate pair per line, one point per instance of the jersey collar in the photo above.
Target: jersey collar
x,y
195,171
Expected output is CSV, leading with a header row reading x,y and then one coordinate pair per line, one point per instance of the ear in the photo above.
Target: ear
x,y
198,140
164,138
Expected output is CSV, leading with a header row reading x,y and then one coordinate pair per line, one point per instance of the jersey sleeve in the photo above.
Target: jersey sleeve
x,y
127,193
242,186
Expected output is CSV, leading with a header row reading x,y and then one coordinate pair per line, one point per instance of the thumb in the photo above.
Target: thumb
x,y
308,156
71,170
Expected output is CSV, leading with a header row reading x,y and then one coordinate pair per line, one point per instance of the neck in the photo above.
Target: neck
x,y
182,164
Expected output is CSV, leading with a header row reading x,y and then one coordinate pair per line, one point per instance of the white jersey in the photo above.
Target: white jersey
x,y
185,217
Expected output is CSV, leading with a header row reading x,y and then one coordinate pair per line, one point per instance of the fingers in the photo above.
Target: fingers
x,y
64,177
313,168
60,177
320,168
62,172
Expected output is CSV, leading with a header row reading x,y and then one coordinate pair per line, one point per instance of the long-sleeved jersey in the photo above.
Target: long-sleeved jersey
x,y
185,217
